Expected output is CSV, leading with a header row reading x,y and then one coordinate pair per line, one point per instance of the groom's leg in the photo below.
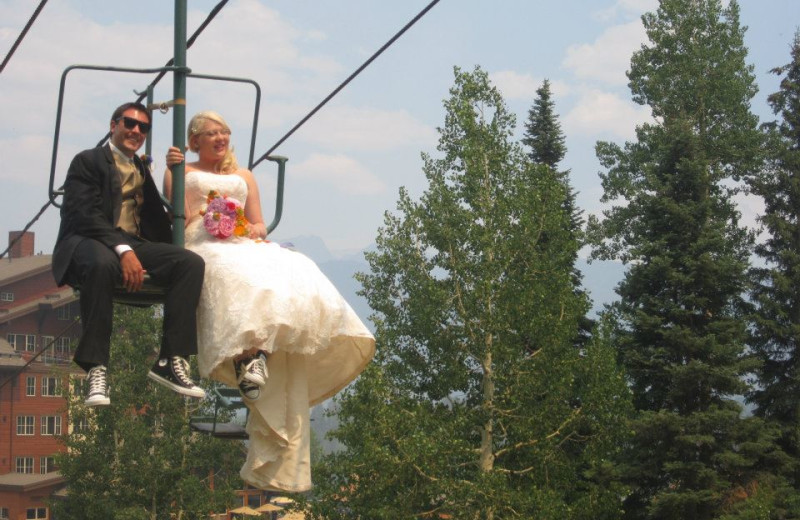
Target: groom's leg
x,y
96,269
180,272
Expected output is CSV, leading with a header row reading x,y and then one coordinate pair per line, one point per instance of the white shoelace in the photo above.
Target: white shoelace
x,y
97,380
181,368
258,368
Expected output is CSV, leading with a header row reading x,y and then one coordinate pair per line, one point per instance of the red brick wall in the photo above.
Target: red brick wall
x,y
31,287
15,403
23,246
18,503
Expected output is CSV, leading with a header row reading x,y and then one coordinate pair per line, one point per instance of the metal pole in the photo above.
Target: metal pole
x,y
179,123
148,144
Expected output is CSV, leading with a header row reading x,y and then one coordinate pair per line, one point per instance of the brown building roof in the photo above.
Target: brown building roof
x,y
13,269
23,482
8,356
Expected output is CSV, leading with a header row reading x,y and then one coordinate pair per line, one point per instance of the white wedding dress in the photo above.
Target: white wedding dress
x,y
259,294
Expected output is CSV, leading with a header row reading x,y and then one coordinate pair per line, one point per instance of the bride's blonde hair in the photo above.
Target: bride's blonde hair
x,y
228,164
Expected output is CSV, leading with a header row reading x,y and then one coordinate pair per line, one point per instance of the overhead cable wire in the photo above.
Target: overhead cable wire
x,y
189,43
348,80
26,228
36,356
22,34
171,61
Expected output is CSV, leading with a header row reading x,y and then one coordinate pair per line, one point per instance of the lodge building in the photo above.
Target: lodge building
x,y
34,314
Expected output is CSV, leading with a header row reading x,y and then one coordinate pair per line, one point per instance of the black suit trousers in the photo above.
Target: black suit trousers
x,y
96,268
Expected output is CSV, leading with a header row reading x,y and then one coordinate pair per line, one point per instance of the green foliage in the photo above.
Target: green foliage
x,y
776,321
681,332
138,458
546,142
478,403
543,131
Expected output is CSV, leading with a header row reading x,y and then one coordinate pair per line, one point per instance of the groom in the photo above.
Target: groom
x,y
115,228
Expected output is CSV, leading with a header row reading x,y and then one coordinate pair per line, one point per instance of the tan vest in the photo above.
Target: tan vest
x,y
132,183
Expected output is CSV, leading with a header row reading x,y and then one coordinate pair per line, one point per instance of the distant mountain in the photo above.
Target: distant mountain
x,y
311,246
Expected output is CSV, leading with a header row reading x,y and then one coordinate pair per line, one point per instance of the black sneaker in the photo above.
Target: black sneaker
x,y
97,395
174,374
251,374
253,369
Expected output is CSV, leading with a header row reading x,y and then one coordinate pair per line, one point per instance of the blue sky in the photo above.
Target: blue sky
x,y
347,163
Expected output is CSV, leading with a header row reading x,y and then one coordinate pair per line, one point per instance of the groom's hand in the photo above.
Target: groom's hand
x,y
132,271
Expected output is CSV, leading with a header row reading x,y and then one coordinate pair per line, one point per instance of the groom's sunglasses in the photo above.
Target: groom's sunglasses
x,y
130,123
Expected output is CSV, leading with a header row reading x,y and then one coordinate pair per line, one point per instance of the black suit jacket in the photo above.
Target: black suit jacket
x,y
92,203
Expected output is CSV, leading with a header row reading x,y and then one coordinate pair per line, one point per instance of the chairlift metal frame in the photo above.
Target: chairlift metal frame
x,y
224,398
279,159
151,293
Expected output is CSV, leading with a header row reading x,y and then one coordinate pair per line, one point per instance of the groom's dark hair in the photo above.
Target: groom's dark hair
x,y
132,104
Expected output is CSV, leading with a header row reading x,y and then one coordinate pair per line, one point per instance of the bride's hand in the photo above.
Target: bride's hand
x,y
174,156
256,231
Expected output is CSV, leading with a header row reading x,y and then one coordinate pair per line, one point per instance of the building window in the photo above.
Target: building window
x,y
48,349
30,386
51,425
254,500
22,341
81,425
47,464
24,464
6,297
24,425
62,313
62,346
3,513
51,386
36,513
78,387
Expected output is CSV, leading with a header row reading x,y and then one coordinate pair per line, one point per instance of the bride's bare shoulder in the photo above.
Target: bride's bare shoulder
x,y
244,173
191,167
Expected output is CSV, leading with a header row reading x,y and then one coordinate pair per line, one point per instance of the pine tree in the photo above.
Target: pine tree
x,y
681,333
138,458
478,405
546,142
776,330
543,131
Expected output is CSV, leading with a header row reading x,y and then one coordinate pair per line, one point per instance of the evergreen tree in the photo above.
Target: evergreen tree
x,y
138,458
477,404
546,142
680,330
543,131
776,331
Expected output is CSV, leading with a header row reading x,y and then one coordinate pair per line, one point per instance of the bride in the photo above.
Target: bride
x,y
269,322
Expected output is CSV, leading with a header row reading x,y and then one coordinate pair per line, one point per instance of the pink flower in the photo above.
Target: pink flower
x,y
224,216
225,228
211,224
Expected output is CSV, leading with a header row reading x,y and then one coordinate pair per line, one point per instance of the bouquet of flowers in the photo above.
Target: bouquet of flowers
x,y
224,216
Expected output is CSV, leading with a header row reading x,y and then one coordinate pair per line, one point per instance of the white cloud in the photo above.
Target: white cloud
x,y
627,8
609,56
343,173
349,128
598,112
514,85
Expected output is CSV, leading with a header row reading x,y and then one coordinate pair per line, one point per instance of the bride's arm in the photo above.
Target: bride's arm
x,y
252,206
